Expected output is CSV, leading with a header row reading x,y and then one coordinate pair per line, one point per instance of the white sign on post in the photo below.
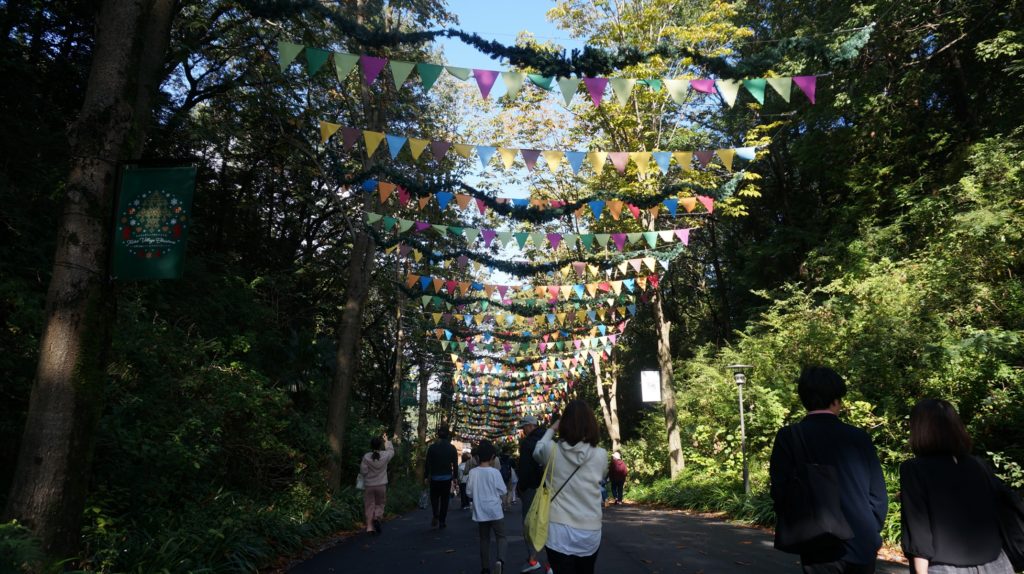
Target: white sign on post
x,y
650,386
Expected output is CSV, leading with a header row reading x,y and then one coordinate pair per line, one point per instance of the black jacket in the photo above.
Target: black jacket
x,y
862,494
529,472
442,459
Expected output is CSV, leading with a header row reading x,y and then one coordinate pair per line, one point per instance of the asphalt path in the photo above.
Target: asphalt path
x,y
634,539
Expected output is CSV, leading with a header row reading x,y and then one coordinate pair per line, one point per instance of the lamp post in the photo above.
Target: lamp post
x,y
740,377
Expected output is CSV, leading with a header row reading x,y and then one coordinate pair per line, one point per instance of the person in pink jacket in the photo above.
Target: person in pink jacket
x,y
374,468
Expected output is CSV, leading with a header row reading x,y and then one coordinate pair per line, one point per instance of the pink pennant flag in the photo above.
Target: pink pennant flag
x,y
653,280
612,338
620,240
371,67
704,156
595,87
707,202
542,346
580,268
489,235
502,289
619,159
349,137
530,157
634,210
683,235
450,285
577,343
705,86
481,205
554,239
807,84
555,204
622,326
484,81
553,289
439,148
403,196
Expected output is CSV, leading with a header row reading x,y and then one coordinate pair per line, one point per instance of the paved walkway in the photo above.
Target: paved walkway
x,y
635,539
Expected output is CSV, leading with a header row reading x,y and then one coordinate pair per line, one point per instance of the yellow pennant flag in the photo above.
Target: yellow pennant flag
x,y
373,140
684,159
641,281
465,150
597,160
508,156
650,262
561,321
553,158
726,155
592,289
642,159
601,312
623,267
416,147
416,255
566,291
729,89
327,129
616,287
437,317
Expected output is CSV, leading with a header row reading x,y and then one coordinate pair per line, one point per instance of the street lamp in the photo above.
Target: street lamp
x,y
740,377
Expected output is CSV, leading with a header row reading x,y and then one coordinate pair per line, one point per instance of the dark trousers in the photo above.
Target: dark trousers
x,y
462,493
617,490
568,564
440,490
838,567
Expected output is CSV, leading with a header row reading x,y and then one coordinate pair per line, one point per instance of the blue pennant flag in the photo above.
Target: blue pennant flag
x,y
632,309
469,319
444,198
662,158
370,185
630,284
477,286
395,144
592,315
447,334
575,159
579,290
602,328
671,205
597,206
424,282
521,202
485,152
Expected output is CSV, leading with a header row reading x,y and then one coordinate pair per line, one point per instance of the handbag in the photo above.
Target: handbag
x,y
811,516
360,482
540,509
1010,514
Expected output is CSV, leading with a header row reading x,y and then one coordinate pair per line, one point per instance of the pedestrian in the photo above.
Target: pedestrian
x,y
488,489
441,470
822,439
374,468
463,474
948,503
574,520
513,484
505,465
530,474
617,472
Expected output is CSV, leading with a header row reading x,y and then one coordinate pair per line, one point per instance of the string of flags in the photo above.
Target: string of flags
x,y
678,89
596,160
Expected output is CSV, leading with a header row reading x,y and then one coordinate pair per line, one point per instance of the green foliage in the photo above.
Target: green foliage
x,y
19,550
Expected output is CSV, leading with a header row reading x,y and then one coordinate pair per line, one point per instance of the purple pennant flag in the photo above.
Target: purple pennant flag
x,y
704,156
421,226
530,157
807,84
595,87
502,289
579,267
620,240
349,137
371,68
488,235
462,261
705,86
619,160
484,81
439,148
404,249
554,239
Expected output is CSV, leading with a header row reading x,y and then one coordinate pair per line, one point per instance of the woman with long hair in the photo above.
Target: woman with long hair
x,y
948,498
374,468
574,521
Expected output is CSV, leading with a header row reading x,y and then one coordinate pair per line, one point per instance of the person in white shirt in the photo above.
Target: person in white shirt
x,y
574,523
464,469
487,488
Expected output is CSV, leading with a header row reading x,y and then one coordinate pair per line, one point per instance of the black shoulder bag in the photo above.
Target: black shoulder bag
x,y
811,516
1010,514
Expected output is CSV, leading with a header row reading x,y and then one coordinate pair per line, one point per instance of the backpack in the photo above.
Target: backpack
x,y
1010,514
506,469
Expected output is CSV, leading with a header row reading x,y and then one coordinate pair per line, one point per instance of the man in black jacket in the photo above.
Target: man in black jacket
x,y
530,474
829,441
442,467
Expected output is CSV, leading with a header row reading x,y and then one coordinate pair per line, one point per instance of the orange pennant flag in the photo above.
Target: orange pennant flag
x,y
462,200
689,203
423,202
385,190
615,207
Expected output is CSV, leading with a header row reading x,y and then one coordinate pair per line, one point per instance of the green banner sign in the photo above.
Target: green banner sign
x,y
153,215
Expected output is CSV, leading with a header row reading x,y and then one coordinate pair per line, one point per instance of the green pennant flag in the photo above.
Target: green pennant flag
x,y
521,239
654,84
781,85
678,89
460,73
471,234
756,88
400,71
372,218
622,88
588,240
513,82
538,239
634,237
652,238
542,82
425,300
404,225
429,73
456,231
389,222
484,305
441,229
315,59
602,239
504,237
569,240
569,86
286,53
343,64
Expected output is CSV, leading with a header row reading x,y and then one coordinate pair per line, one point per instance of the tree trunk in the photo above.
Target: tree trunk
x,y
421,426
50,481
668,396
350,332
396,385
606,391
613,408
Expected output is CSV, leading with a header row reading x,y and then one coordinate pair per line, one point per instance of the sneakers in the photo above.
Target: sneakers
x,y
531,566
499,567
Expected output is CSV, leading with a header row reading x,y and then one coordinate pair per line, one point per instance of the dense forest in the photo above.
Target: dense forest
x,y
214,423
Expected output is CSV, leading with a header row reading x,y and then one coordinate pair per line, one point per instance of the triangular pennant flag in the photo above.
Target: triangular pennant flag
x,y
595,87
728,90
619,159
538,239
542,82
395,145
704,157
471,235
596,206
443,199
286,53
677,89
597,161
485,153
554,239
439,148
385,190
726,155
521,238
666,235
684,159
568,87
403,226
373,140
416,147
642,159
504,237
349,137
671,204
530,157
465,150
683,235
513,83
484,81
372,218
807,84
707,202
704,86
400,72
602,239
315,59
756,88
634,210
622,88
575,159
689,203
327,129
371,67
651,237
553,159
620,240
429,73
508,156
634,237
343,64
422,202
460,73
747,153
488,236
782,86
663,159
588,240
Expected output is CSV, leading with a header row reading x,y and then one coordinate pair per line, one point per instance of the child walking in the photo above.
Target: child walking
x,y
486,487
